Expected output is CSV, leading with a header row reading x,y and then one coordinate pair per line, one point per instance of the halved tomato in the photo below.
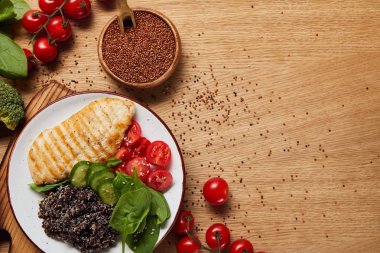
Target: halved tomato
x,y
141,165
132,135
140,147
124,153
158,153
160,180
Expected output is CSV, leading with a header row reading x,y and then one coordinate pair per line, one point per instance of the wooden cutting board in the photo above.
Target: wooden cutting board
x,y
21,243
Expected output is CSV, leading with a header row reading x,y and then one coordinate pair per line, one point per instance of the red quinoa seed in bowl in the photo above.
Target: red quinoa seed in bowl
x,y
141,56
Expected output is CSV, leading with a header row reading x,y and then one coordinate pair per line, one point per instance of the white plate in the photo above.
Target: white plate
x,y
25,202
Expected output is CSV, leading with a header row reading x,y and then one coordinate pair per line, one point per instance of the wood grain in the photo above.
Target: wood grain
x,y
281,98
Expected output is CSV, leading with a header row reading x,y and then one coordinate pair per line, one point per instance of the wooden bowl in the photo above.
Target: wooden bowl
x,y
168,72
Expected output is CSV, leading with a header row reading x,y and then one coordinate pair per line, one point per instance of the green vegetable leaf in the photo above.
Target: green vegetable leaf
x,y
122,183
144,242
159,206
113,162
20,7
13,62
129,212
6,10
47,187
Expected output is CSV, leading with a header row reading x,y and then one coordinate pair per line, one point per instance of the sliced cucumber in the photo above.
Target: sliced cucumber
x,y
95,167
78,174
107,192
100,176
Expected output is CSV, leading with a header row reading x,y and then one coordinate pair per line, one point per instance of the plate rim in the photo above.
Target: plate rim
x,y
107,93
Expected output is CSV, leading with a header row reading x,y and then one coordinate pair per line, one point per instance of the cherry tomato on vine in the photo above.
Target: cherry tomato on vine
x,y
33,20
77,9
59,29
241,246
160,180
158,153
187,245
133,134
44,50
184,222
213,232
215,191
30,58
49,6
142,168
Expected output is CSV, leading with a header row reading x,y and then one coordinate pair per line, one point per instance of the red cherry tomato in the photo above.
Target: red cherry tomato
x,y
141,165
187,245
59,29
77,9
213,232
158,153
184,222
241,246
132,135
140,147
160,180
49,6
33,20
30,58
44,51
215,191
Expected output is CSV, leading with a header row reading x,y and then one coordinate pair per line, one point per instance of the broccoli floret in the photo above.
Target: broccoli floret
x,y
11,106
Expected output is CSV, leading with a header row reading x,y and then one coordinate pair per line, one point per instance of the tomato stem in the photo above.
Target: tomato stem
x,y
59,9
196,240
218,236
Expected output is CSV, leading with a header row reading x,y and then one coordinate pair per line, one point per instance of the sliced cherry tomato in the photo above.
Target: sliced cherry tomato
x,y
44,50
30,58
124,153
132,135
59,29
77,9
187,245
141,165
216,231
33,20
158,153
140,147
184,222
160,180
49,6
241,246
215,191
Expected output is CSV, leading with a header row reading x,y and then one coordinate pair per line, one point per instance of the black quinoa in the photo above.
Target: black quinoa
x,y
78,217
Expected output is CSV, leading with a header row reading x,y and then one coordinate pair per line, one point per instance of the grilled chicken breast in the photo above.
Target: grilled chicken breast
x,y
94,134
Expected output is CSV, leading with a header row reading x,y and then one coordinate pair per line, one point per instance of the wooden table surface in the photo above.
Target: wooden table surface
x,y
281,98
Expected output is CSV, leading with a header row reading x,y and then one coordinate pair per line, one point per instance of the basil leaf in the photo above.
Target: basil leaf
x,y
159,206
20,7
129,212
6,10
13,62
48,187
113,162
144,242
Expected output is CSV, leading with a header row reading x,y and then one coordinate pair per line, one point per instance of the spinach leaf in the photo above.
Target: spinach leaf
x,y
6,10
159,206
129,212
144,242
13,62
47,187
113,162
20,7
122,183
